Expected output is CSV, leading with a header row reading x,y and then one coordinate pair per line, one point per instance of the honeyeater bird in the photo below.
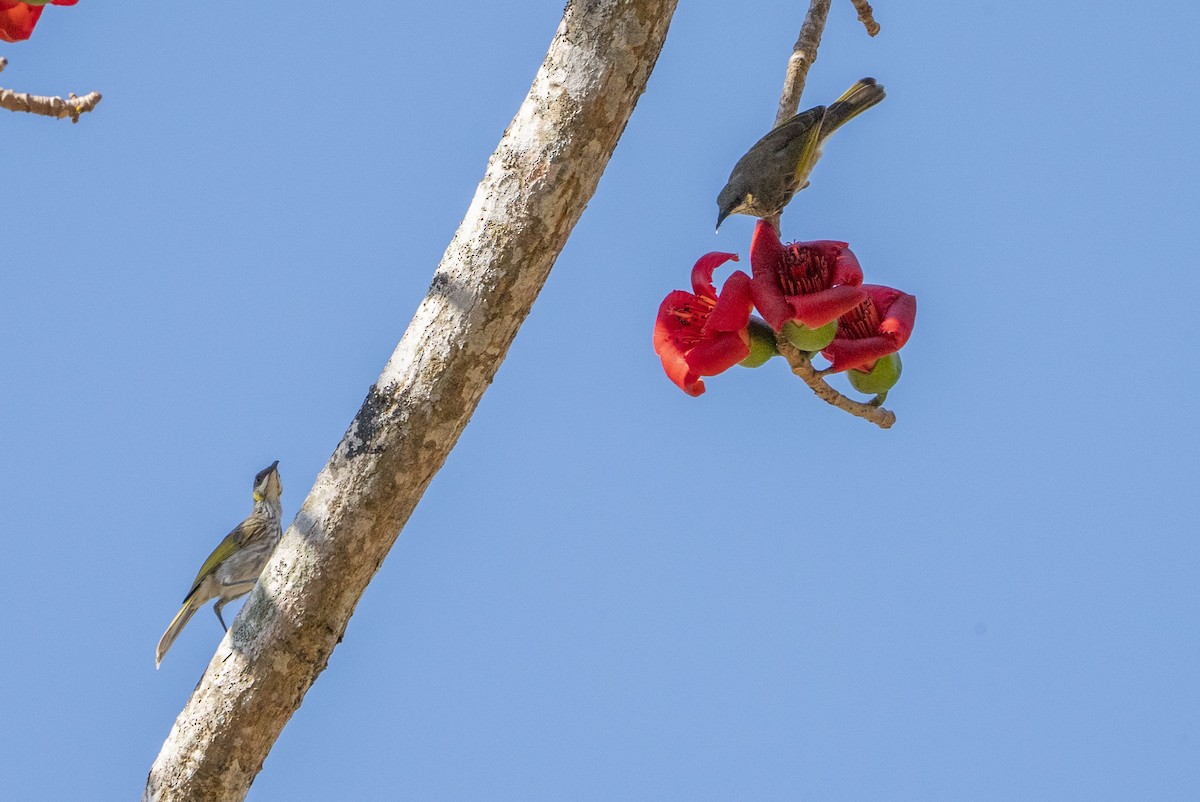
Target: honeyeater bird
x,y
233,567
777,167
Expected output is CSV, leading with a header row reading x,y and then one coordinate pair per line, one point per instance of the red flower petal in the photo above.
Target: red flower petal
x,y
717,354
770,301
896,312
17,20
702,272
766,258
766,251
847,269
734,305
669,330
846,354
669,343
897,309
703,334
677,370
819,308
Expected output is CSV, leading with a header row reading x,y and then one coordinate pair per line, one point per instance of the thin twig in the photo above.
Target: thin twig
x,y
801,365
866,16
47,106
804,53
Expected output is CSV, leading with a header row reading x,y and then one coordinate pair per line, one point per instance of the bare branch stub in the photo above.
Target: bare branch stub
x,y
866,15
57,107
801,365
47,106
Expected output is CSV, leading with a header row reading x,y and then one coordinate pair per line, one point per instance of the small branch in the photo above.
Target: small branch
x,y
72,107
49,106
801,365
803,56
866,16
804,53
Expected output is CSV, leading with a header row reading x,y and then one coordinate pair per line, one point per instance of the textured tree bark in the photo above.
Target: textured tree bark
x,y
537,184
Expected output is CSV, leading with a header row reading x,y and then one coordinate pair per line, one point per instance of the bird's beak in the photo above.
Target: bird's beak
x,y
274,466
721,215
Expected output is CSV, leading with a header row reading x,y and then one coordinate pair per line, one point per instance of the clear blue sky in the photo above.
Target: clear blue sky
x,y
614,591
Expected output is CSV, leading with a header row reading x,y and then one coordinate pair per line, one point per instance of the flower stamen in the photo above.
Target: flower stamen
x,y
805,270
861,321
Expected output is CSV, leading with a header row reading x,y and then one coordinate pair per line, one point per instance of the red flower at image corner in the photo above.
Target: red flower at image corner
x,y
17,19
878,326
702,333
812,283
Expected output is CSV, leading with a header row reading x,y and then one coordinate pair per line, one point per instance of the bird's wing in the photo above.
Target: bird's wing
x,y
793,130
242,534
804,143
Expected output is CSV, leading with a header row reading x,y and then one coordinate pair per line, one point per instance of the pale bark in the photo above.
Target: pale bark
x,y
72,107
536,186
804,53
866,15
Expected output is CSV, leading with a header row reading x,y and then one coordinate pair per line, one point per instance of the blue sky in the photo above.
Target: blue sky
x,y
614,591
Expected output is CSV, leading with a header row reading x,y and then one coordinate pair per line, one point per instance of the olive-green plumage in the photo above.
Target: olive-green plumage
x,y
233,567
777,166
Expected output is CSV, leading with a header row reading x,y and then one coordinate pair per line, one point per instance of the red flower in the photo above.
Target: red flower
x,y
700,333
878,326
812,283
17,19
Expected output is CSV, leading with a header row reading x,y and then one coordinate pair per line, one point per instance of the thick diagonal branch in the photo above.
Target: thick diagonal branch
x,y
536,186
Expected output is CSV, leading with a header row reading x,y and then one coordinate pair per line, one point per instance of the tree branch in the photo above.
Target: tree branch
x,y
536,186
866,15
804,53
801,365
45,105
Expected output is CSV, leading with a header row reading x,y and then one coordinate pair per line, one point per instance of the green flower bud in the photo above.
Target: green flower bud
x,y
762,343
880,379
807,339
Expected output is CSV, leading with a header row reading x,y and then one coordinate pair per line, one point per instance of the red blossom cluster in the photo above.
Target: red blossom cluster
x,y
17,19
811,293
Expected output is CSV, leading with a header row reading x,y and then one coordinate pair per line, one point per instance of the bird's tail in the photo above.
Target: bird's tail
x,y
189,608
857,99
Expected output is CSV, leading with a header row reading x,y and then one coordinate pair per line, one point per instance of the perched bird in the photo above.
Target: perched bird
x,y
777,167
233,567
